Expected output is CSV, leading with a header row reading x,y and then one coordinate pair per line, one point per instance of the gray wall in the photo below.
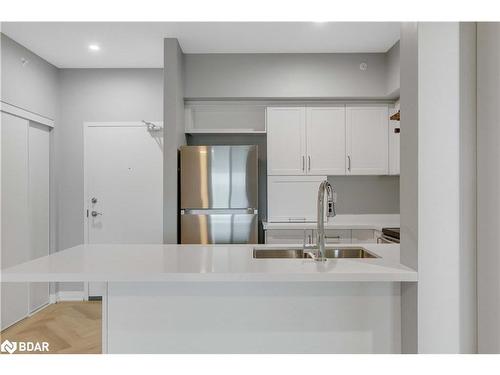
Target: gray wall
x,y
358,195
285,76
33,86
488,186
173,114
95,95
468,190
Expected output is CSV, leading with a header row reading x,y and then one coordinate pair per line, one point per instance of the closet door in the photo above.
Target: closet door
x,y
39,148
15,215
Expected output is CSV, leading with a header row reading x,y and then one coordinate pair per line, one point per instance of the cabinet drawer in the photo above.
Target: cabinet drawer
x,y
363,236
289,236
337,236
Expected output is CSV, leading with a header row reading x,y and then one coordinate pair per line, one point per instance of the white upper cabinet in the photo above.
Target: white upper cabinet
x,y
292,198
367,140
286,140
325,138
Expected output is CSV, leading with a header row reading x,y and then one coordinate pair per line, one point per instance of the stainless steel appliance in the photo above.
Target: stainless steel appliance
x,y
218,194
389,235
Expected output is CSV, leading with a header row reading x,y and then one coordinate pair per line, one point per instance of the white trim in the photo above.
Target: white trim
x,y
23,113
40,308
70,296
52,298
119,124
14,322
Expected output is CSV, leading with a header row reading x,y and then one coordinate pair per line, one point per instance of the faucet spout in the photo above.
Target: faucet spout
x,y
324,187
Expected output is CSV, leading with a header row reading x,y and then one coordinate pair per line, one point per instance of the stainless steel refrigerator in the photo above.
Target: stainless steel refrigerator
x,y
218,194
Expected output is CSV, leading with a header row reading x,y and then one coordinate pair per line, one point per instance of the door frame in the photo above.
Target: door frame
x,y
86,126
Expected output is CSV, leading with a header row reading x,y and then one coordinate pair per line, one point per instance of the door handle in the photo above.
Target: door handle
x,y
309,163
303,162
95,213
349,163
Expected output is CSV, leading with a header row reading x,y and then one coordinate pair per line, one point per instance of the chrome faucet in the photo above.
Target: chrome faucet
x,y
325,186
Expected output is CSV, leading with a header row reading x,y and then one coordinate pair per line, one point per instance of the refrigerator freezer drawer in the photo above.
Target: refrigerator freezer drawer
x,y
219,229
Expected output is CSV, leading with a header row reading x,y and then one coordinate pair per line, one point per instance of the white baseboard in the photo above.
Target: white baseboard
x,y
40,308
70,296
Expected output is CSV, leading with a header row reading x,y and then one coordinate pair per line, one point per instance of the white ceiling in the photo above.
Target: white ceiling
x,y
139,44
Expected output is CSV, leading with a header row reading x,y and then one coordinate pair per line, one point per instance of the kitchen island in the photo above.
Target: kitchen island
x,y
219,299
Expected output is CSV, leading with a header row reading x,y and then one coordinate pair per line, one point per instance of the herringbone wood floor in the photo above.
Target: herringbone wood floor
x,y
68,327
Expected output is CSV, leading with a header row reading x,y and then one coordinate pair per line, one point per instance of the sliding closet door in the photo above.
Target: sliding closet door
x,y
15,215
39,149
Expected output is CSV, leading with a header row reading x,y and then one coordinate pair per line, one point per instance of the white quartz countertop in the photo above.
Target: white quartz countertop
x,y
376,222
204,263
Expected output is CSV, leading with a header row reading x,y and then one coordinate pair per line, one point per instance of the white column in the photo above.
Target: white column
x,y
437,186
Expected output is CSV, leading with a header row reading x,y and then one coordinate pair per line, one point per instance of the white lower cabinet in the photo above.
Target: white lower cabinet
x,y
289,236
333,236
337,236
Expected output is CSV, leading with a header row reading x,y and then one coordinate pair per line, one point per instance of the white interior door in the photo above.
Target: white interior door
x,y
39,174
15,215
124,185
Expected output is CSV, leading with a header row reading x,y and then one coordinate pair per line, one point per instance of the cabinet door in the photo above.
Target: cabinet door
x,y
367,140
292,198
394,148
334,236
286,140
289,236
325,134
363,236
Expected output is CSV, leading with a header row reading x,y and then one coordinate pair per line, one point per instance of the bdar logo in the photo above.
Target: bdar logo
x,y
9,347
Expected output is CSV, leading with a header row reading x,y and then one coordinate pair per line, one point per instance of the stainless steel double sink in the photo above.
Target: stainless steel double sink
x,y
299,253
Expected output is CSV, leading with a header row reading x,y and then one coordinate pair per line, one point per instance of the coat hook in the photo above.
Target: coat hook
x,y
396,116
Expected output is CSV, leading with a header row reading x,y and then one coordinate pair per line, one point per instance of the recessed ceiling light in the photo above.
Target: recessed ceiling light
x,y
94,47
